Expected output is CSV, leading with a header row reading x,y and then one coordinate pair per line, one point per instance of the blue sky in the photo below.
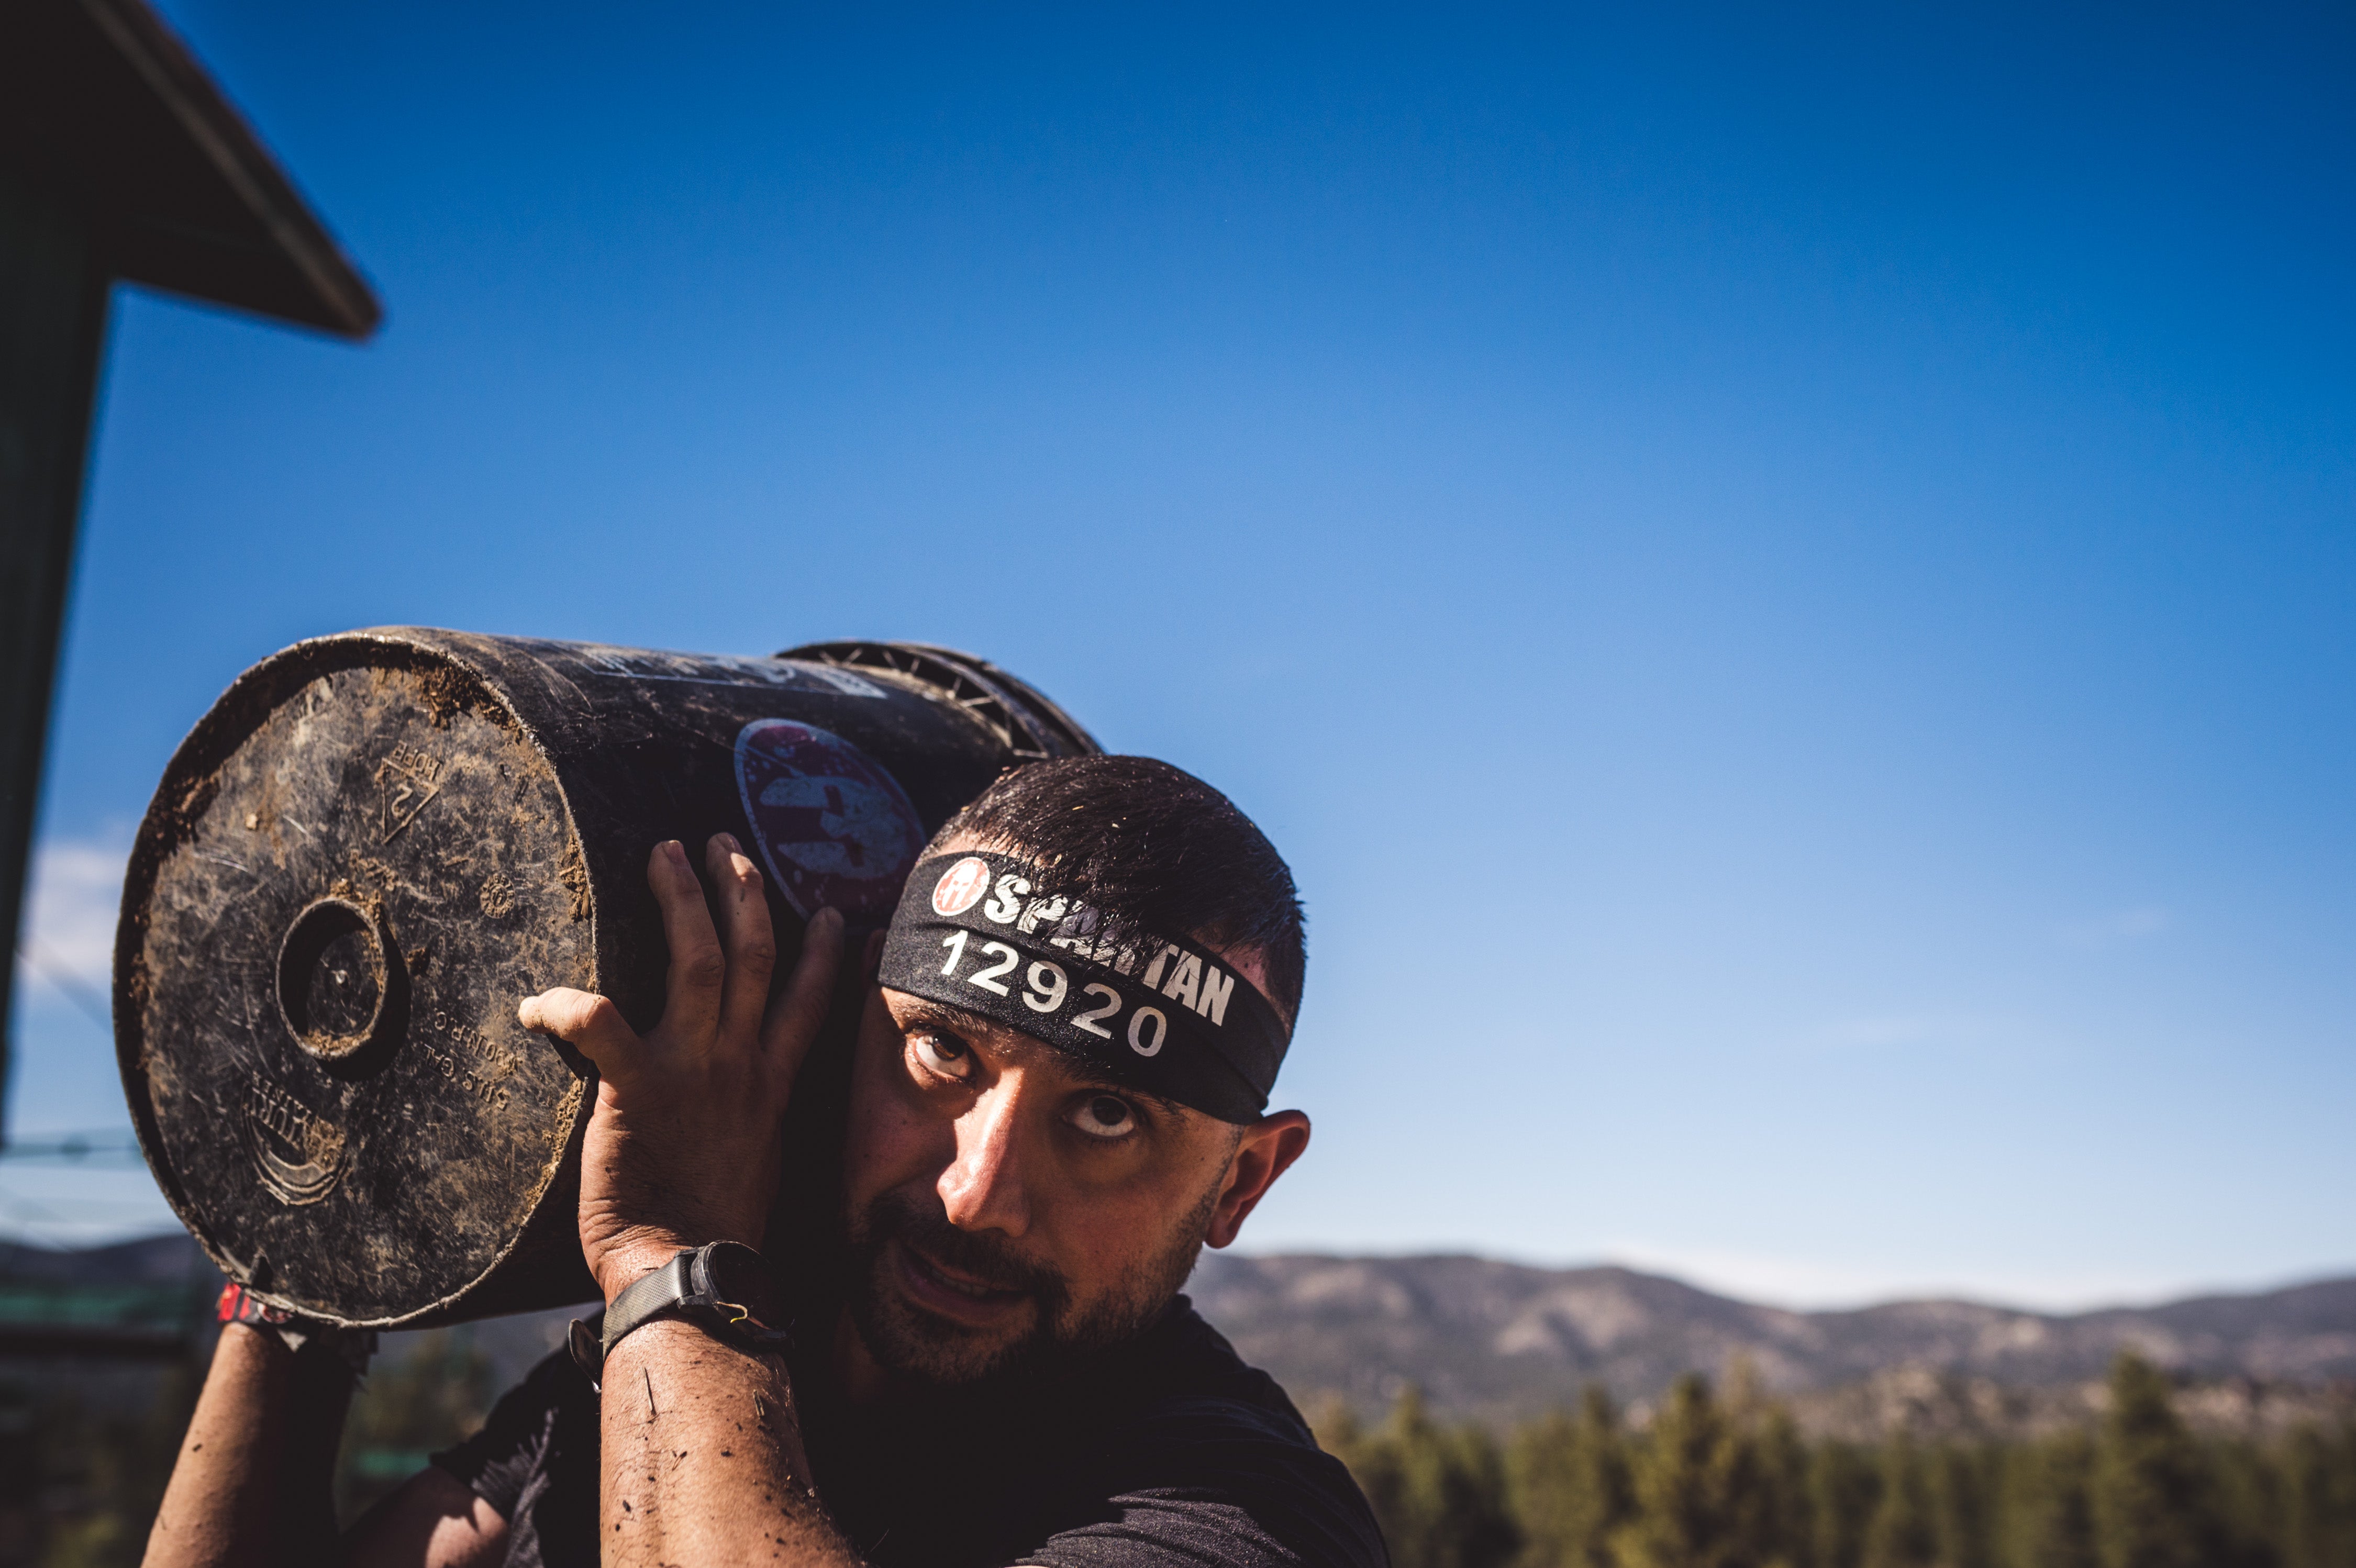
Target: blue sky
x,y
1784,581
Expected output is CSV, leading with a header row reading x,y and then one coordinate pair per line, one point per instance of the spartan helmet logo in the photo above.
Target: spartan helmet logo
x,y
961,887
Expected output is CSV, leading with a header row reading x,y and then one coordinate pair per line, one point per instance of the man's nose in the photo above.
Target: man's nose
x,y
982,1189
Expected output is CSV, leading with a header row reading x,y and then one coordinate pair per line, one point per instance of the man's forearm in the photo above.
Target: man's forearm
x,y
703,1461
250,1485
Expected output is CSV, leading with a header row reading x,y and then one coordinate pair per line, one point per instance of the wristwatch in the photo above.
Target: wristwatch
x,y
723,1288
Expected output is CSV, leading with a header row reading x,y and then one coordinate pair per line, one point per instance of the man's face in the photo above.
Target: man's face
x,y
1004,1207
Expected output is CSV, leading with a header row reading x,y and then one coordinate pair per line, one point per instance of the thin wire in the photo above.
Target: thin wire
x,y
80,995
105,1146
75,1211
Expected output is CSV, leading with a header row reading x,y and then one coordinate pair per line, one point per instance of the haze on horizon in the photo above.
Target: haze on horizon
x,y
1785,582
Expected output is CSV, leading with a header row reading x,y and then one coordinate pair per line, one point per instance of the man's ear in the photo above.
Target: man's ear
x,y
871,960
1270,1147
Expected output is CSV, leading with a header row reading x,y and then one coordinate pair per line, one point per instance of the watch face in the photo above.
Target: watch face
x,y
736,1273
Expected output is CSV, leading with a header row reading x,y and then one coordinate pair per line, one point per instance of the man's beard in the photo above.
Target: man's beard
x,y
925,1349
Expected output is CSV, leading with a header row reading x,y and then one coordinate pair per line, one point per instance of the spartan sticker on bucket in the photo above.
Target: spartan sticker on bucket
x,y
833,827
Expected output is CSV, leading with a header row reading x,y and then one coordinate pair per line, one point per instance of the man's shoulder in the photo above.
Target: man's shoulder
x,y
1189,1442
1201,1479
1184,1358
1210,1461
1193,1399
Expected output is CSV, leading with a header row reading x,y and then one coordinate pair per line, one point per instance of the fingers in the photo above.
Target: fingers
x,y
698,967
746,936
589,1025
715,991
794,1021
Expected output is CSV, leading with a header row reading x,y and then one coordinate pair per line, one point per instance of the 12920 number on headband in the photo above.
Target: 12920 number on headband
x,y
1045,989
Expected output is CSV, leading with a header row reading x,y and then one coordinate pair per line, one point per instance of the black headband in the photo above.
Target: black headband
x,y
988,933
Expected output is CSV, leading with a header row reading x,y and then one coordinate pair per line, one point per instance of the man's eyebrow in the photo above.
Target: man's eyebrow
x,y
1094,1077
922,1012
941,1015
1090,1078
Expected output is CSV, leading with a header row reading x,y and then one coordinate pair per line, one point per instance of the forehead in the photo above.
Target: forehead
x,y
1013,1048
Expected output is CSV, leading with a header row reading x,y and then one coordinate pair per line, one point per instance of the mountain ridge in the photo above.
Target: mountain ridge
x,y
1495,1340
1501,1341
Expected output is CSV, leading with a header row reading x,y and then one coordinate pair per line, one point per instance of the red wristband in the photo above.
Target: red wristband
x,y
238,1304
353,1347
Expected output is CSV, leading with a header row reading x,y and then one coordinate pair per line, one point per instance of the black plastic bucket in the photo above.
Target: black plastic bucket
x,y
375,844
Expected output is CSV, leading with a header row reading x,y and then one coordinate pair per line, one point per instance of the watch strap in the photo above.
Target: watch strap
x,y
644,1298
680,1288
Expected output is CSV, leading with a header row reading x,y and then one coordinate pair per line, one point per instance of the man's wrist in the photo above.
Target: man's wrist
x,y
241,1308
689,1335
640,1250
624,1264
724,1288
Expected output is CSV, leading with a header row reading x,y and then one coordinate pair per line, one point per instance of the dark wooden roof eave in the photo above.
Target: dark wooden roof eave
x,y
101,104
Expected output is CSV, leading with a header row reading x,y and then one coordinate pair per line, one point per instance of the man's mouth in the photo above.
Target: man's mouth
x,y
952,1293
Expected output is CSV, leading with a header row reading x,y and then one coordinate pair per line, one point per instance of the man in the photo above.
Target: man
x,y
1056,1098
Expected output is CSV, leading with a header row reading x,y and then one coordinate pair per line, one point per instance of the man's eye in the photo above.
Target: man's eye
x,y
1104,1116
945,1054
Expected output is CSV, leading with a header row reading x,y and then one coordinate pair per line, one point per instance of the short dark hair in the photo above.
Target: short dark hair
x,y
1156,844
